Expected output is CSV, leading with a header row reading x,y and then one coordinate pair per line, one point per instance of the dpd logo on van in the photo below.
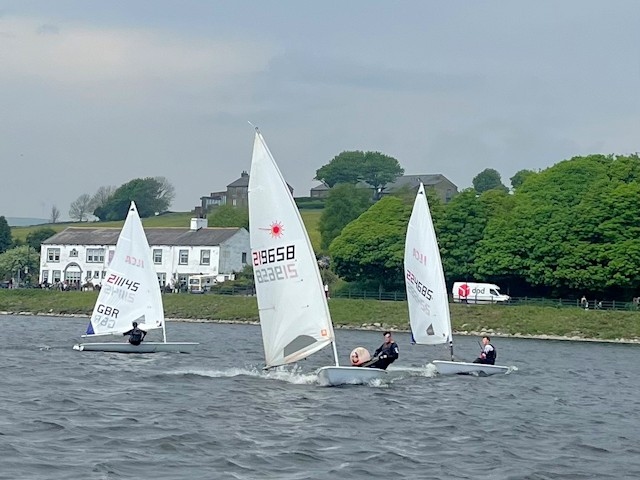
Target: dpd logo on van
x,y
464,290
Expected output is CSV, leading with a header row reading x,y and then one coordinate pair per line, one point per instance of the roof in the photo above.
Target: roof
x,y
243,181
322,186
176,236
414,181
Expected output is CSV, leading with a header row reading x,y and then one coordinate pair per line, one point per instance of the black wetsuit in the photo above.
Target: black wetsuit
x,y
490,356
387,354
136,335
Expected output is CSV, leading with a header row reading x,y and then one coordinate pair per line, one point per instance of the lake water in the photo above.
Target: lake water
x,y
569,411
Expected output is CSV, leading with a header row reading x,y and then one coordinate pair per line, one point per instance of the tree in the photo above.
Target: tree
x,y
375,168
573,229
380,169
101,197
80,208
487,180
371,248
54,216
344,203
5,234
20,263
35,238
152,195
343,168
229,216
519,177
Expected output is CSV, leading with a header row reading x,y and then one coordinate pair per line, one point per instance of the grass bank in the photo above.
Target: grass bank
x,y
505,320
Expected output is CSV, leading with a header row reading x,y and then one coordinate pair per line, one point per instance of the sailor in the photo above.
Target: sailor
x,y
488,354
136,335
387,353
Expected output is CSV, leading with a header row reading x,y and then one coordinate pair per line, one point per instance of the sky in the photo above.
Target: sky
x,y
97,93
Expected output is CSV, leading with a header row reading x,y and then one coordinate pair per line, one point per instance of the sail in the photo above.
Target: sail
x,y
130,291
294,315
424,278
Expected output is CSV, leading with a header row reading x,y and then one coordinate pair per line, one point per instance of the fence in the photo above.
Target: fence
x,y
400,296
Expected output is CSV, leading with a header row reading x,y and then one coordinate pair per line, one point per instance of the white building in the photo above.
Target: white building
x,y
81,255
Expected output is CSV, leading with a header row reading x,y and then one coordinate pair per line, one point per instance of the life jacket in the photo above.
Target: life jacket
x,y
136,336
492,355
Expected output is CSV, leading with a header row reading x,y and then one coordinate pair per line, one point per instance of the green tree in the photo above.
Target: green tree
x,y
519,177
573,229
36,237
151,194
487,180
229,216
371,248
343,168
379,169
344,203
375,168
5,234
21,263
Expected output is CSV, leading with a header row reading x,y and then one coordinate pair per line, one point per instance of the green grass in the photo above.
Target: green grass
x,y
178,219
311,219
508,320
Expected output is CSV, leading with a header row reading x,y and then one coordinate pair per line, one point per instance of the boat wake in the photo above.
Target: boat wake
x,y
428,370
293,375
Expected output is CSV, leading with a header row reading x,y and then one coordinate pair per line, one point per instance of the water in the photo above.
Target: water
x,y
569,411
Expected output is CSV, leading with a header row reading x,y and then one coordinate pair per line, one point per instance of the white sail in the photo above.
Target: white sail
x,y
130,291
293,309
424,278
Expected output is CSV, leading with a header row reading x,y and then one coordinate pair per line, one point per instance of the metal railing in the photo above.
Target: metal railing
x,y
400,296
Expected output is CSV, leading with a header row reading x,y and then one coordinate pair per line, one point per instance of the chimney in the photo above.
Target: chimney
x,y
198,223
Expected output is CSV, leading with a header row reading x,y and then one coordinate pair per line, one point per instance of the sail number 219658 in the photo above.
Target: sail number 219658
x,y
270,273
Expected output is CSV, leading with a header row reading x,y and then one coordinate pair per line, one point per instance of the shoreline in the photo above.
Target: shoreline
x,y
366,327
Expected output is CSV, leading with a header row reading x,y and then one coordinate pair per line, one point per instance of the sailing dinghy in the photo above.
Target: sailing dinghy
x,y
130,292
293,309
427,291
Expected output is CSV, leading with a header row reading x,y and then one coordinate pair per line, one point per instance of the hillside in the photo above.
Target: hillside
x,y
311,219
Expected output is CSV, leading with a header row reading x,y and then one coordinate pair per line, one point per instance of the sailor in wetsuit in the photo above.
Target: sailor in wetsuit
x,y
136,335
488,353
387,353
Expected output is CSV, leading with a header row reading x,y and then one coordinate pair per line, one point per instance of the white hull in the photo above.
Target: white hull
x,y
334,376
452,368
144,347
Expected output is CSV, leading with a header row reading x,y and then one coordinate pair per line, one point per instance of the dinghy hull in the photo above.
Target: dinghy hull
x,y
462,368
334,376
144,347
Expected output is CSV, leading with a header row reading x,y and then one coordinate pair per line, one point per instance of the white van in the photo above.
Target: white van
x,y
201,283
470,292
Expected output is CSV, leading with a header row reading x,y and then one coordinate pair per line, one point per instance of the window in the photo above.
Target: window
x,y
95,255
104,273
184,257
157,256
53,254
244,257
205,257
73,252
448,196
45,276
96,274
162,278
88,275
56,276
